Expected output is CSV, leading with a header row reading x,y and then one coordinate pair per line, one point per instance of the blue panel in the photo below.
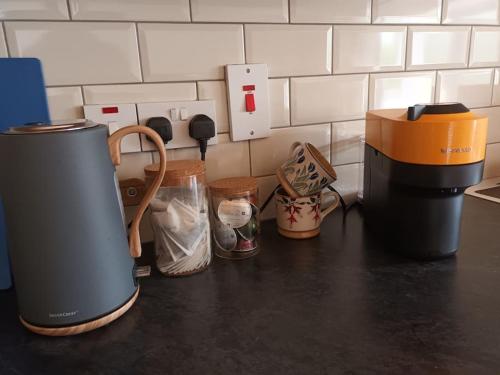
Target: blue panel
x,y
22,100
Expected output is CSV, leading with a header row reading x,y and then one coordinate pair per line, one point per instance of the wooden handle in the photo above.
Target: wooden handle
x,y
114,142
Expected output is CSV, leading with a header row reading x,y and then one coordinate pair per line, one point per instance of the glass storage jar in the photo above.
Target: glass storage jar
x,y
180,219
235,217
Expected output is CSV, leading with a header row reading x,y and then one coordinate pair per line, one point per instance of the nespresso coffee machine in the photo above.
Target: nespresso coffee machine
x,y
418,163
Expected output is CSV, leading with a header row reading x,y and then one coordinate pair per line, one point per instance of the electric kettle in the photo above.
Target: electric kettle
x,y
73,268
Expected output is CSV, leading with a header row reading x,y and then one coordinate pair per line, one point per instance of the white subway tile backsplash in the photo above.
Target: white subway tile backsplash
x,y
325,99
139,93
330,11
485,46
216,90
178,52
78,52
348,181
65,102
267,154
240,10
3,46
132,165
346,142
266,187
400,90
470,87
492,163
368,48
130,10
404,11
33,9
471,12
279,102
496,88
290,49
431,47
493,114
326,67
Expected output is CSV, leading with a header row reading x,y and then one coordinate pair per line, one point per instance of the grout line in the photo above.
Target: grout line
x,y
407,47
331,143
289,13
83,97
437,82
190,12
139,51
371,12
69,10
332,45
469,47
244,44
368,95
442,12
493,86
20,20
289,101
5,39
250,156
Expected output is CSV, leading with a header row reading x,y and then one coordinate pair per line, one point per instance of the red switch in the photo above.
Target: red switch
x,y
250,102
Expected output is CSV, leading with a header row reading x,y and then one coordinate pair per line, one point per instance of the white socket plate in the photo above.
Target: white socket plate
x,y
248,125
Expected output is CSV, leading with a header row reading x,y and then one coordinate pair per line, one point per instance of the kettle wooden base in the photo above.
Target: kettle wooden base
x,y
85,327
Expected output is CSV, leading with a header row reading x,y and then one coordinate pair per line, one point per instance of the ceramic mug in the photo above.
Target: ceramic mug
x,y
306,172
301,217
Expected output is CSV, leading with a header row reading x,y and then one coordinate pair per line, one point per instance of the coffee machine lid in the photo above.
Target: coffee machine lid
x,y
52,127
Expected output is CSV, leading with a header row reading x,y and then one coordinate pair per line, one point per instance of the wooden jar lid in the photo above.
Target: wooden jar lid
x,y
177,170
234,186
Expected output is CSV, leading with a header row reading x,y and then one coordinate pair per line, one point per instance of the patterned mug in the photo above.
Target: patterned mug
x,y
301,217
306,172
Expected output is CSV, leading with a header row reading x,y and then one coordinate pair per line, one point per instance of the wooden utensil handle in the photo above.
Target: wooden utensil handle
x,y
114,142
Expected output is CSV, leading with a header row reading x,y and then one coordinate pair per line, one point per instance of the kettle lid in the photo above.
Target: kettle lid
x,y
52,127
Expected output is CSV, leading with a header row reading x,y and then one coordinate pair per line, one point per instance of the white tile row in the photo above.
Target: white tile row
x,y
312,100
328,98
483,12
76,53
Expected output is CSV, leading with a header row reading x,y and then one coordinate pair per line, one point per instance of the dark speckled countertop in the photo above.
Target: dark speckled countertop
x,y
336,304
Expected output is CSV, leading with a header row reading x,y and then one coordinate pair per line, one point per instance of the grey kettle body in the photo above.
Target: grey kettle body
x,y
71,263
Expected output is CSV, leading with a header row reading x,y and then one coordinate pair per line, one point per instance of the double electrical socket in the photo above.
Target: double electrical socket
x,y
180,113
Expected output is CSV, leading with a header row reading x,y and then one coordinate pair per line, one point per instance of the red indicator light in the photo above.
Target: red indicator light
x,y
107,110
249,88
250,103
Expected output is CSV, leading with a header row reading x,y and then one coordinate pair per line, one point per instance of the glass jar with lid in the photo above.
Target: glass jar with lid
x,y
235,217
180,218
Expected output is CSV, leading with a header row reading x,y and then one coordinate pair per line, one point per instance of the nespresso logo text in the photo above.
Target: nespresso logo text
x,y
63,314
453,150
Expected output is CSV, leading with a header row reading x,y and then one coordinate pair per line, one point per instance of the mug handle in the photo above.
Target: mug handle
x,y
293,147
114,143
331,207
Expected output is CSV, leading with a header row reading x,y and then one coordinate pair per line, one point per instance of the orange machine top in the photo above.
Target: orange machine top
x,y
437,139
